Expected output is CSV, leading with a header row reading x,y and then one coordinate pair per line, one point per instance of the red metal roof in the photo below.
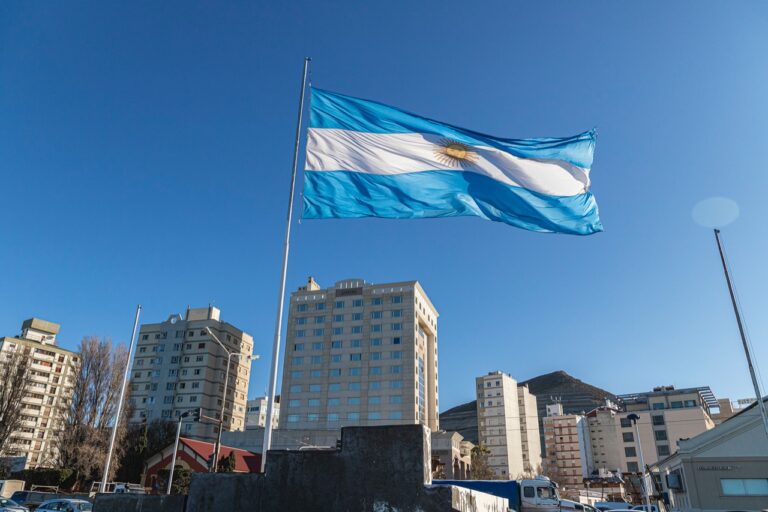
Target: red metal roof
x,y
245,461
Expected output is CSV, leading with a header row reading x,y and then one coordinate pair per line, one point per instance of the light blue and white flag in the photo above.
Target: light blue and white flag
x,y
365,159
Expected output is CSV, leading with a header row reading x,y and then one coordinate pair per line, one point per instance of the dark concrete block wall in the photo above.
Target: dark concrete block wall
x,y
138,503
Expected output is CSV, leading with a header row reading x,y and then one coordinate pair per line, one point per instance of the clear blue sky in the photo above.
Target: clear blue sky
x,y
145,151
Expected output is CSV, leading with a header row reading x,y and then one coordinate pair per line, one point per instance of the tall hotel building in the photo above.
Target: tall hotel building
x,y
48,395
178,367
360,354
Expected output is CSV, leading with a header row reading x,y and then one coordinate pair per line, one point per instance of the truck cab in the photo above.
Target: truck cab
x,y
539,495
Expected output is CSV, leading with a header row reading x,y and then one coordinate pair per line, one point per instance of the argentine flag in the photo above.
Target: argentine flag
x,y
366,159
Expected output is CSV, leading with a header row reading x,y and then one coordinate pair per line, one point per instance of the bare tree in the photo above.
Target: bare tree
x,y
85,438
481,470
14,379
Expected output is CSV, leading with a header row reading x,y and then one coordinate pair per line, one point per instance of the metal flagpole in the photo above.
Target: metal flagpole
x,y
173,458
281,297
103,486
760,404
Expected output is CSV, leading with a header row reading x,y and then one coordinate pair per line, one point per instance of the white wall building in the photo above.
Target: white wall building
x,y
508,425
257,413
53,371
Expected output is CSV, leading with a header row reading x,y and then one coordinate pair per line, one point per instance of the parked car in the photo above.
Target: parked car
x,y
7,505
65,505
606,506
643,508
31,499
571,506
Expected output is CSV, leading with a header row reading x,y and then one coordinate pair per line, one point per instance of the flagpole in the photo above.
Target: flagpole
x,y
281,297
103,486
760,404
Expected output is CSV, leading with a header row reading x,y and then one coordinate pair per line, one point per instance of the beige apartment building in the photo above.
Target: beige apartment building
x,y
359,354
257,413
508,425
52,374
569,453
177,367
667,415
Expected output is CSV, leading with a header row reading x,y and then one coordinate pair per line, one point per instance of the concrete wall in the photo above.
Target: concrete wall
x,y
138,503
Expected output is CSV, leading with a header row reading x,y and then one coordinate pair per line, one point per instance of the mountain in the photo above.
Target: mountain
x,y
575,395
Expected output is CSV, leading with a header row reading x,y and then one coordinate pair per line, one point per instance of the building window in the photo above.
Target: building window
x,y
375,342
355,372
355,343
375,315
301,320
357,316
297,374
319,332
320,306
397,327
397,354
338,330
627,436
338,318
339,304
301,307
660,435
294,403
357,303
300,333
296,388
375,327
658,406
353,416
658,419
375,356
333,402
396,399
744,486
315,373
396,384
629,451
625,423
397,299
353,400
199,345
313,402
376,301
396,415
335,386
317,345
334,372
396,369
298,361
374,400
314,388
397,313
336,358
293,418
298,347
374,384
335,344
333,416
374,415
374,370
145,337
320,319
396,340
354,386
677,404
317,360
662,450
356,329
356,357
632,467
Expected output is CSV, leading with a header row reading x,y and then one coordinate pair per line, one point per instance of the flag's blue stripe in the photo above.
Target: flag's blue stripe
x,y
333,110
341,194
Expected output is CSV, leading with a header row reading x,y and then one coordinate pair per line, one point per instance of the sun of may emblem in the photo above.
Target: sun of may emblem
x,y
454,153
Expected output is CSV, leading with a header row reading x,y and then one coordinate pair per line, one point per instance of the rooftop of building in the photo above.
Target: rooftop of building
x,y
638,398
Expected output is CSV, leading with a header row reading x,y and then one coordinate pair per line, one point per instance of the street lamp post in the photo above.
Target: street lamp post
x,y
175,450
633,418
230,355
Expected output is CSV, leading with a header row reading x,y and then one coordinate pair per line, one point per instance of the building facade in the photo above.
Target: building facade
x,y
725,468
257,413
451,456
52,373
666,414
508,425
178,367
569,453
360,354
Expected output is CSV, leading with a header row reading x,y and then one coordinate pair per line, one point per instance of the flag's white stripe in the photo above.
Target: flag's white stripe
x,y
331,149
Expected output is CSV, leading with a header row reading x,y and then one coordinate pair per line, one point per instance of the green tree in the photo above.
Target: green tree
x,y
227,464
181,478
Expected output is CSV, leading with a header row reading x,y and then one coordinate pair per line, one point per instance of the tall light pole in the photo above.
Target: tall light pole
x,y
176,449
633,418
230,355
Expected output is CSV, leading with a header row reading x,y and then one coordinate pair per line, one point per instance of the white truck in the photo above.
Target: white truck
x,y
8,487
534,495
